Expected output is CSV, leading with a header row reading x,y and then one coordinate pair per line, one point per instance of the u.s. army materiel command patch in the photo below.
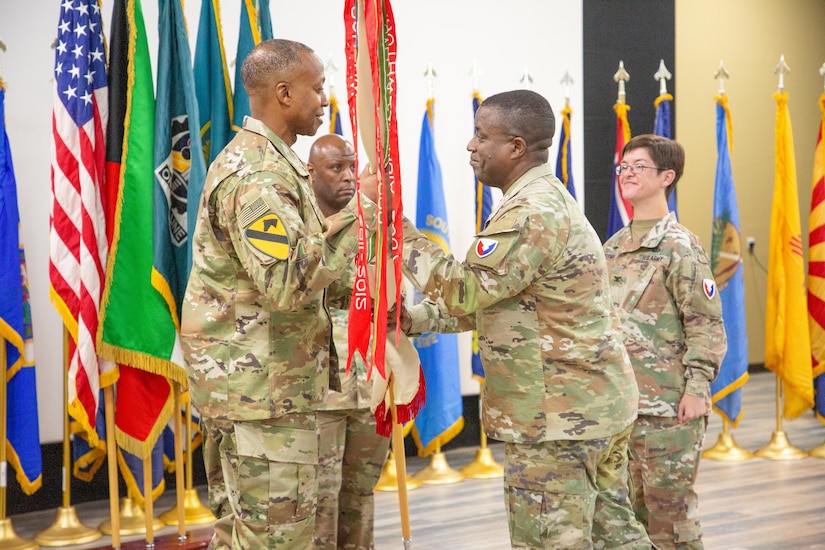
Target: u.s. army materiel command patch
x,y
268,235
485,247
709,287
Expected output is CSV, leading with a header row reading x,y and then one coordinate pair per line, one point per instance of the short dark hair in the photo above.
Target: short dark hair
x,y
526,114
271,58
665,153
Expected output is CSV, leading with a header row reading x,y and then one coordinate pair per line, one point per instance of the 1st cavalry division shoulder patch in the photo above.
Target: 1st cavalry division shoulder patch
x,y
268,235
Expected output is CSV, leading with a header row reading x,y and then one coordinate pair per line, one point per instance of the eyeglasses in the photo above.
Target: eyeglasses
x,y
638,167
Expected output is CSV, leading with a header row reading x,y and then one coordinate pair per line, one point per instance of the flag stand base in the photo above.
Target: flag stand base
x,y
817,452
389,477
66,530
438,472
780,449
727,450
484,466
194,513
10,540
132,520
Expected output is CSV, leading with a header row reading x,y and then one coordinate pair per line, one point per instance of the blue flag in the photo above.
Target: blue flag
x,y
131,468
22,430
564,167
484,205
179,174
212,82
442,416
334,116
726,262
662,127
249,36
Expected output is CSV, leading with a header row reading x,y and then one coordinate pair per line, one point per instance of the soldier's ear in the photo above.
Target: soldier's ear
x,y
519,146
283,92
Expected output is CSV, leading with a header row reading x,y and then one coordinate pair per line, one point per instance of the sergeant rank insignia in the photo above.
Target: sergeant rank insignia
x,y
268,235
485,247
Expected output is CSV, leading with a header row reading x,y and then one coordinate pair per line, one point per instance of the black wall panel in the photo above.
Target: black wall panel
x,y
640,33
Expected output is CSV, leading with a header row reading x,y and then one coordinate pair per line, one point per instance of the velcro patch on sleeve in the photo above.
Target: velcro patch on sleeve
x,y
264,230
492,250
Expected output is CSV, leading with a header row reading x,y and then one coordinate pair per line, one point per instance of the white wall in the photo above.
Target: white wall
x,y
545,37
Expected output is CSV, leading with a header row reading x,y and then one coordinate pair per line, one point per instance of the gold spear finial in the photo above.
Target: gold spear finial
x,y
475,72
781,69
721,74
526,79
662,75
822,73
621,77
430,75
567,81
330,70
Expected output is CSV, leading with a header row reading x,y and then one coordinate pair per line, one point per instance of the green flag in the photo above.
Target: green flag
x,y
136,329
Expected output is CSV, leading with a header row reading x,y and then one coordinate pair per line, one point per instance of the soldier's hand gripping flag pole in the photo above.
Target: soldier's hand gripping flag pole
x,y
370,53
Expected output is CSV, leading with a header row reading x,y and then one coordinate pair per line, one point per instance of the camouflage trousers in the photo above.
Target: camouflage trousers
x,y
351,456
664,460
552,488
262,481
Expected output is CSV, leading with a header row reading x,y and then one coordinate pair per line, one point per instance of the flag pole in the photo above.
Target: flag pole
x,y
398,450
8,538
725,449
780,447
66,528
194,513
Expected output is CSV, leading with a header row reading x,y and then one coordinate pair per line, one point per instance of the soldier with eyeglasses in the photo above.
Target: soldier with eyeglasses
x,y
662,284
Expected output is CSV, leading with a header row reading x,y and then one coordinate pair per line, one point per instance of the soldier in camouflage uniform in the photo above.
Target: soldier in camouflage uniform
x,y
559,388
255,329
352,454
662,282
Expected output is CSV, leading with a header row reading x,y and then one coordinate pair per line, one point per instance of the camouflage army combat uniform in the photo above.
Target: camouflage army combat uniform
x,y
351,455
256,336
672,319
559,388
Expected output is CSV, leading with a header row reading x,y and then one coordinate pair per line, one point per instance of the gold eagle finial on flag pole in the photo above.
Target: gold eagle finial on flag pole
x,y
781,69
721,74
621,77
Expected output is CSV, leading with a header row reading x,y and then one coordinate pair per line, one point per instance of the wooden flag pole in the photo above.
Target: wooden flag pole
x,y
66,528
401,469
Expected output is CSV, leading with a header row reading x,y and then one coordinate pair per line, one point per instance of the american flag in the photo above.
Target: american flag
x,y
77,236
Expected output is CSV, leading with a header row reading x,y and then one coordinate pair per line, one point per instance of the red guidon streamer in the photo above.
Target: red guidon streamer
x,y
358,330
381,46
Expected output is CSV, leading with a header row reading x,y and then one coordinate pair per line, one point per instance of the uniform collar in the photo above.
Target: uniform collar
x,y
254,125
530,175
652,238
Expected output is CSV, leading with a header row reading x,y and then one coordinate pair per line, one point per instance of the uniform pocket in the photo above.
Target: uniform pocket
x,y
276,473
670,455
636,288
688,530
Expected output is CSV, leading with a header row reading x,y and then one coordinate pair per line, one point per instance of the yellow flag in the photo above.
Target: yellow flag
x,y
787,341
